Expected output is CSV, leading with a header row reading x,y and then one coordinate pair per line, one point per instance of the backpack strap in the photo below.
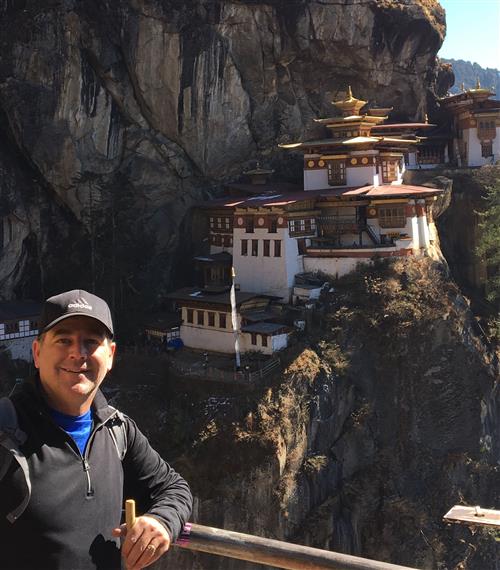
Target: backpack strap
x,y
11,439
118,433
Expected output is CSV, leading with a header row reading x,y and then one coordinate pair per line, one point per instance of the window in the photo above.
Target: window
x,y
211,319
218,240
212,223
255,247
336,173
264,340
228,241
277,248
200,317
244,247
273,224
249,225
189,315
222,320
298,226
486,149
392,217
227,223
12,328
254,339
33,325
267,247
486,130
389,171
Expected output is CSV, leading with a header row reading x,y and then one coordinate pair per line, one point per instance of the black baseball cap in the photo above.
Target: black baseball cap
x,y
72,304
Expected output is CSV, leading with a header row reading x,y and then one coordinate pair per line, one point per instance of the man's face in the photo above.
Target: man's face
x,y
73,357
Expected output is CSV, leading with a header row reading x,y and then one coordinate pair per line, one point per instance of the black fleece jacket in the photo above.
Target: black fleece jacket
x,y
77,500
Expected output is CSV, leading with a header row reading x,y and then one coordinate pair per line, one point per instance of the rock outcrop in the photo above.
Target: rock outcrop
x,y
386,418
117,116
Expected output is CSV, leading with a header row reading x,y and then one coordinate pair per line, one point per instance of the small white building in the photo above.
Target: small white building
x,y
475,127
207,324
19,327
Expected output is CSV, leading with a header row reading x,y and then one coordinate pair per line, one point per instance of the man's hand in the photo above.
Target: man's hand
x,y
144,544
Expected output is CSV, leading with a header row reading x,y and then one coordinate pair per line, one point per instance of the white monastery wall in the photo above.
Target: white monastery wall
x,y
334,266
316,179
475,157
294,263
279,342
361,175
194,336
423,230
496,146
246,343
270,275
474,148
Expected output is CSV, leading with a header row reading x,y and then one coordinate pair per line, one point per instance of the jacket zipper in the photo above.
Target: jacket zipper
x,y
85,456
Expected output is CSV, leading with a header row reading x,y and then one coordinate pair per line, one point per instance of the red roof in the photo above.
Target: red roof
x,y
386,190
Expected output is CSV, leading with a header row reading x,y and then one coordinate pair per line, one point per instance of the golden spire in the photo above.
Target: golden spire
x,y
350,105
478,84
426,119
462,87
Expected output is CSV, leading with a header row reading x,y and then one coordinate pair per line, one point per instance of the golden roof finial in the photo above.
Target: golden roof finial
x,y
349,93
478,84
462,87
426,119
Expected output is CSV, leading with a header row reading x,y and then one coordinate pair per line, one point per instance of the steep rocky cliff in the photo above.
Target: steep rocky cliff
x,y
116,116
386,416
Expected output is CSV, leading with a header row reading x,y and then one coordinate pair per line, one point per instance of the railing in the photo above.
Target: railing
x,y
272,552
265,371
339,224
218,374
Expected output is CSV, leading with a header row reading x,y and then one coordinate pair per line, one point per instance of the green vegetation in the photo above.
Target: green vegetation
x,y
489,246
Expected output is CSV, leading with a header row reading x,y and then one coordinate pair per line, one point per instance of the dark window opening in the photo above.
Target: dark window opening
x,y
255,247
222,320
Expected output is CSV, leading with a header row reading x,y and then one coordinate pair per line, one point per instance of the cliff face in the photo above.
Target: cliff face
x,y
385,418
116,116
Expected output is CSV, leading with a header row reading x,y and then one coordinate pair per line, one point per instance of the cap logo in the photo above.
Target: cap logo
x,y
80,303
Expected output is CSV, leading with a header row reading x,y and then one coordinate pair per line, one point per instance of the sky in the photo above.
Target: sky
x,y
472,31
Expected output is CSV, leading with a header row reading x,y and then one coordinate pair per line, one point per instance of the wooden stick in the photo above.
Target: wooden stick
x,y
272,552
130,513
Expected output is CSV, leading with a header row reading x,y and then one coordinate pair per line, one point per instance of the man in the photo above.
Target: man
x,y
79,476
